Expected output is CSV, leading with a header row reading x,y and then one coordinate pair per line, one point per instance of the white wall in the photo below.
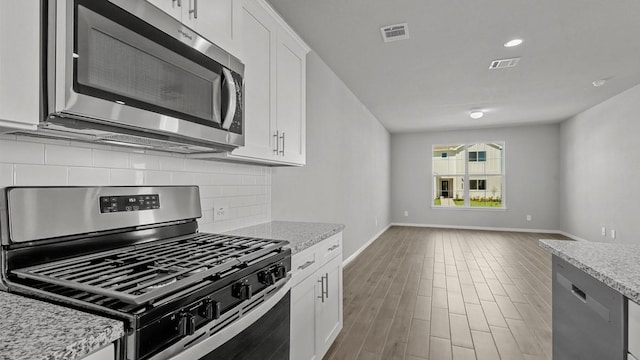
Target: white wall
x,y
346,179
27,161
601,170
532,167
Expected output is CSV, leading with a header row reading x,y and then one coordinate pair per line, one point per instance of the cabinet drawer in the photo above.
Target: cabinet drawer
x,y
634,328
330,248
304,264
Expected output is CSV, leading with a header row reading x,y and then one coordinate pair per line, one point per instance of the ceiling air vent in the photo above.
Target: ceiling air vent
x,y
504,63
395,32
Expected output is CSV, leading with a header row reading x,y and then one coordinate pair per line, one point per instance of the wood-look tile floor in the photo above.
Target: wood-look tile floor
x,y
426,293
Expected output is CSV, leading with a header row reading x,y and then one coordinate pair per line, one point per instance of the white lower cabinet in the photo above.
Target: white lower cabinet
x,y
316,300
633,331
106,353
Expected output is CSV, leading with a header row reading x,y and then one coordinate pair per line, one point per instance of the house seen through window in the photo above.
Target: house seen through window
x,y
480,166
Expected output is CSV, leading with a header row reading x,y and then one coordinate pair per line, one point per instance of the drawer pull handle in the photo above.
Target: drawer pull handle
x,y
334,247
306,265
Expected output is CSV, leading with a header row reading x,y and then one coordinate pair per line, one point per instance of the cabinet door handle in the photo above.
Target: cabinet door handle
x,y
321,281
306,265
334,247
326,293
276,142
194,11
179,2
282,137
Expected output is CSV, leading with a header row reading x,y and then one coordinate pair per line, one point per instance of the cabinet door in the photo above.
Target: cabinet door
x,y
106,353
291,98
633,324
329,312
171,7
259,39
303,329
19,65
213,20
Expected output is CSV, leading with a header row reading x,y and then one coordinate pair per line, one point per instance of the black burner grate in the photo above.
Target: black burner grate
x,y
143,273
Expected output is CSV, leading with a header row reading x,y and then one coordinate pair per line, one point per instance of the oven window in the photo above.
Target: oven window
x,y
137,65
265,339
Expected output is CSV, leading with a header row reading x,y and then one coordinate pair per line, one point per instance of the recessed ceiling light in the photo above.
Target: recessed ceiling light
x,y
476,114
512,43
599,83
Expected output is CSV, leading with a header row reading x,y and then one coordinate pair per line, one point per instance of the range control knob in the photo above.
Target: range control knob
x,y
242,291
280,271
186,324
267,277
210,309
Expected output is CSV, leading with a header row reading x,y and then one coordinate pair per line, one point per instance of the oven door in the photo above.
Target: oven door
x,y
145,71
261,333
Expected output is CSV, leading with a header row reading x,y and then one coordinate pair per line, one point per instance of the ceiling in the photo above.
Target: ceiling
x,y
434,79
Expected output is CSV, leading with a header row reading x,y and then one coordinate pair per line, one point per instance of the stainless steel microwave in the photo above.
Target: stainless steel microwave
x,y
124,72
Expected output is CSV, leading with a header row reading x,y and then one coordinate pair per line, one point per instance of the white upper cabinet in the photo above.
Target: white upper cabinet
x,y
19,65
216,20
275,88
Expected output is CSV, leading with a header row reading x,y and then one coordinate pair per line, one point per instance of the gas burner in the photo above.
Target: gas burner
x,y
156,286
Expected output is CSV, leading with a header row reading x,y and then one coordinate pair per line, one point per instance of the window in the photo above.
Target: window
x,y
481,165
477,156
479,184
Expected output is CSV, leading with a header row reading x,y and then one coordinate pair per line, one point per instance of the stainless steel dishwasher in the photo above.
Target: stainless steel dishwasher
x,y
588,316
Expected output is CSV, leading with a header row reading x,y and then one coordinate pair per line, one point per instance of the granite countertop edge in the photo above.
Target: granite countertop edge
x,y
37,330
601,273
300,235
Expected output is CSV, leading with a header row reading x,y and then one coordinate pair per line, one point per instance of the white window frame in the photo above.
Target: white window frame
x,y
467,177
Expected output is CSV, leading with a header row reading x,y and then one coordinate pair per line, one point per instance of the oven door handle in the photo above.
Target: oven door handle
x,y
206,346
232,100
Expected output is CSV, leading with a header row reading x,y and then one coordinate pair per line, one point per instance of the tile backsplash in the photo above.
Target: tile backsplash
x,y
244,189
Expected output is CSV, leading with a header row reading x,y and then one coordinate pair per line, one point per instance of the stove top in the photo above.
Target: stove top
x,y
142,274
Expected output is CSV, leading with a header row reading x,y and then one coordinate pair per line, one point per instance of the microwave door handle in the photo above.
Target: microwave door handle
x,y
231,106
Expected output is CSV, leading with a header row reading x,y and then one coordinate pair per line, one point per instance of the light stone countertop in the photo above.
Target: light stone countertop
x,y
617,265
32,330
300,235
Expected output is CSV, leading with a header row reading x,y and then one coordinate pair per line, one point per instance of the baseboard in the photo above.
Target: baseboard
x,y
486,228
571,236
361,249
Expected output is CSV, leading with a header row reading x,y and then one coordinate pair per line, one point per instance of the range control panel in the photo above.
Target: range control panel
x,y
110,204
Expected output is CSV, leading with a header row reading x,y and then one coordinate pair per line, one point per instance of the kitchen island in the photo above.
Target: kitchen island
x,y
616,265
32,329
596,290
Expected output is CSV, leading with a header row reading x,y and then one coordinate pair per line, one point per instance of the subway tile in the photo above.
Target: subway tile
x,y
172,163
6,175
196,165
40,175
43,140
19,152
144,161
154,177
83,176
66,155
110,159
183,178
126,177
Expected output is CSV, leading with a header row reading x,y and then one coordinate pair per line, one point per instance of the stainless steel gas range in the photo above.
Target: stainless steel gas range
x,y
135,254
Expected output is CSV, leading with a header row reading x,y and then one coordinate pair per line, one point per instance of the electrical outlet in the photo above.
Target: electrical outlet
x,y
528,217
604,231
406,213
220,212
613,234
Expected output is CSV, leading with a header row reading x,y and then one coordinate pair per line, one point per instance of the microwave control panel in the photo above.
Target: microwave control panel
x,y
111,204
